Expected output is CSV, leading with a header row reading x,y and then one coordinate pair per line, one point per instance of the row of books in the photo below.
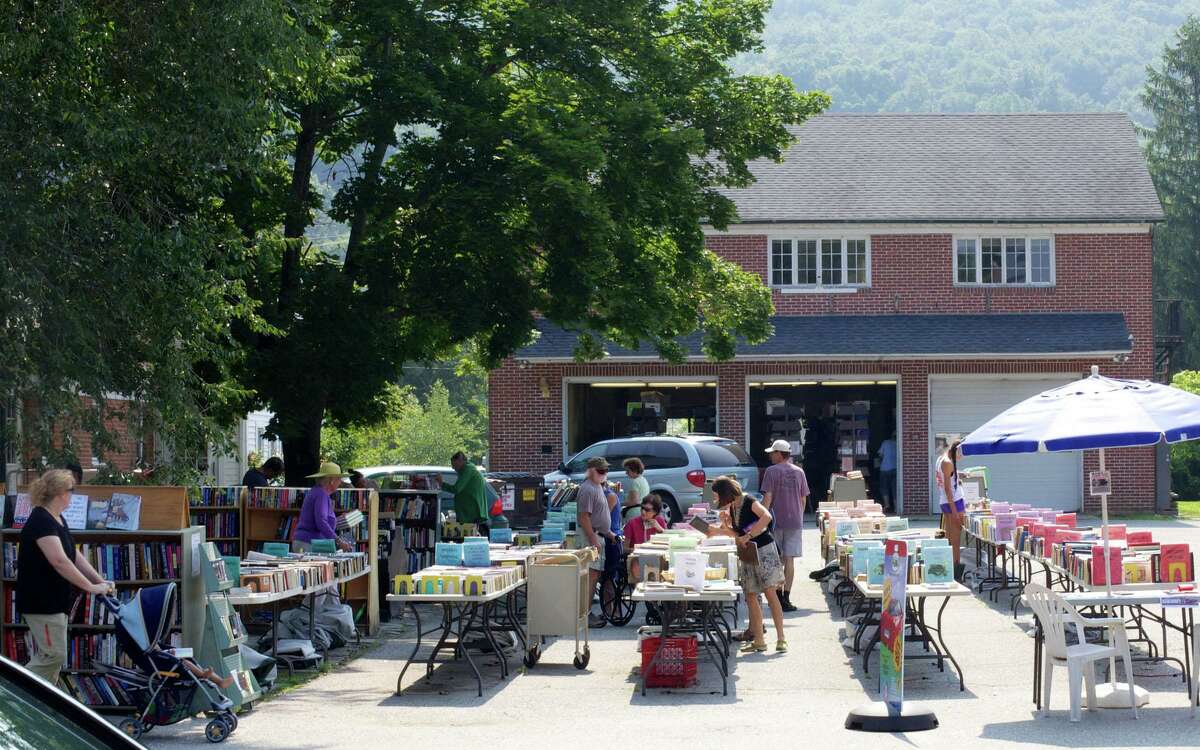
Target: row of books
x,y
276,498
200,497
419,512
287,527
87,610
230,549
135,561
306,573
930,561
219,523
97,690
8,553
468,581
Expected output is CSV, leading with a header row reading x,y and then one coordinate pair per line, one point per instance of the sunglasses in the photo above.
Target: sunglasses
x,y
600,471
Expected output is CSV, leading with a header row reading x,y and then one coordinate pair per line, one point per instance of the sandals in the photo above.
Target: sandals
x,y
743,637
753,648
781,646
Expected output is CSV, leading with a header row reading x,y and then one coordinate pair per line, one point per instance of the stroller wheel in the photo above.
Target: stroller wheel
x,y
216,730
231,719
132,728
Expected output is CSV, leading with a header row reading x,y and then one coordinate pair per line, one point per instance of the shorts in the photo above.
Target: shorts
x,y
789,541
959,507
768,574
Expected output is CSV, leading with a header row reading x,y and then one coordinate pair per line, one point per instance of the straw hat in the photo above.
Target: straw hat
x,y
328,469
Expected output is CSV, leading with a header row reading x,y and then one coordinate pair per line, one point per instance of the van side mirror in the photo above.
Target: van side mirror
x,y
562,467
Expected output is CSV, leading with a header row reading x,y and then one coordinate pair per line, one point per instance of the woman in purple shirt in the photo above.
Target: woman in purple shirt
x,y
317,520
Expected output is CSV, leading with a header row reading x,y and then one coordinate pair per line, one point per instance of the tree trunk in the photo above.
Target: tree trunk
x,y
302,448
297,217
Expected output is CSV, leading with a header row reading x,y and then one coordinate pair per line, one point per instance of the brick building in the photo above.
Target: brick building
x,y
928,271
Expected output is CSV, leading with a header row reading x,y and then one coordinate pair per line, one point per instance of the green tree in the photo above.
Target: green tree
x,y
1185,457
122,125
506,158
1172,96
412,432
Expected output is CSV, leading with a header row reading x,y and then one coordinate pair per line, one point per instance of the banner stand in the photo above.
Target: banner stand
x,y
891,714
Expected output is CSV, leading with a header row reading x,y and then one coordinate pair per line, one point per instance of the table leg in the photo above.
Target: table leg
x,y
1037,664
447,624
1194,688
488,613
275,630
412,657
942,643
464,629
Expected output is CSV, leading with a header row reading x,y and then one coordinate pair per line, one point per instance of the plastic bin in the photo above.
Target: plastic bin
x,y
676,665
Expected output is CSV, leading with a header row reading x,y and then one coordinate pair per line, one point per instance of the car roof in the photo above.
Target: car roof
x,y
368,471
689,437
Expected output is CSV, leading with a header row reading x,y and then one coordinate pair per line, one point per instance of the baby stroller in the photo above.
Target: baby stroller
x,y
160,687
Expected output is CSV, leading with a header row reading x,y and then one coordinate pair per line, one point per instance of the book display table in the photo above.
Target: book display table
x,y
999,576
462,615
931,636
692,612
1139,605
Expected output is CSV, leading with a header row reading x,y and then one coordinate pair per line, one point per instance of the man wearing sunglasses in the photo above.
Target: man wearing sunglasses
x,y
595,502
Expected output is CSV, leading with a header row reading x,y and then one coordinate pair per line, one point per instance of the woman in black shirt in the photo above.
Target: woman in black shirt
x,y
47,568
749,524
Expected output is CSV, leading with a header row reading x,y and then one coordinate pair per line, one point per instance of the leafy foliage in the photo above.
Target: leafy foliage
x,y
1185,457
412,432
505,157
1172,97
122,122
987,55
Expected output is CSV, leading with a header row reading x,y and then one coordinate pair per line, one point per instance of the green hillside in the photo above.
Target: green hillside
x,y
970,55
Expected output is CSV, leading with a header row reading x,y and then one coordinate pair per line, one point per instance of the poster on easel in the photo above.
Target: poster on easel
x,y
1100,483
891,625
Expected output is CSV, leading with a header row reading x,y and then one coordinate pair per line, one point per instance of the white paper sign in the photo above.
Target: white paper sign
x,y
75,516
1100,482
508,499
689,569
970,491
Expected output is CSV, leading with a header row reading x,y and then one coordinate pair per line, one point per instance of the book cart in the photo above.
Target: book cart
x,y
224,634
271,514
219,511
163,549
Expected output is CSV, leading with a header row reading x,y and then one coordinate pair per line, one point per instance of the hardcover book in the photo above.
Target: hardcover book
x,y
124,512
1113,572
1175,563
939,564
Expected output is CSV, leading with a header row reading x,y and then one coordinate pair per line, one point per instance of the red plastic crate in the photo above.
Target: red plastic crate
x,y
676,665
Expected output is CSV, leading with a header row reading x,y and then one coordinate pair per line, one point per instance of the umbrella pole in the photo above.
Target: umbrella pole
x,y
1108,610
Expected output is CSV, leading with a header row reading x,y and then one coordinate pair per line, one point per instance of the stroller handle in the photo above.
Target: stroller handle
x,y
112,603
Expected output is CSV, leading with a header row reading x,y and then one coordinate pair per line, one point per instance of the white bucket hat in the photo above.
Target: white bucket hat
x,y
781,446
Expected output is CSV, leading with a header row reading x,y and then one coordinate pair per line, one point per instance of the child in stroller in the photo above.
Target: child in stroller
x,y
163,687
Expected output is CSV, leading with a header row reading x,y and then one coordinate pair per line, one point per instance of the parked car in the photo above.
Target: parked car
x,y
388,477
676,465
34,714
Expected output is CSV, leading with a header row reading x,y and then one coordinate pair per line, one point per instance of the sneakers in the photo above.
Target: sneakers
x,y
785,600
754,648
781,647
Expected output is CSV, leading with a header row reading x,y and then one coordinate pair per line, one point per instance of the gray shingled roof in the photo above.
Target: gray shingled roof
x,y
955,168
900,336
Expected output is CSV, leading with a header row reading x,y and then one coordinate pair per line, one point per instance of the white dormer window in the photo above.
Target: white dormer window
x,y
819,263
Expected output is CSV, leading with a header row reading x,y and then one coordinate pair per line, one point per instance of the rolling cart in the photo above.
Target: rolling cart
x,y
558,597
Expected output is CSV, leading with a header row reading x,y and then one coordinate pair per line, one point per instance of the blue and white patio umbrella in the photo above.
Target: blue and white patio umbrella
x,y
1093,413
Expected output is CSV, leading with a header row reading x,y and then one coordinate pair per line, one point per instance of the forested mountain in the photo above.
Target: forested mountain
x,y
971,55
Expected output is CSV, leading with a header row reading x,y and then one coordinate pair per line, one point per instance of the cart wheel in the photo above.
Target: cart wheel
x,y
582,660
532,656
132,728
216,731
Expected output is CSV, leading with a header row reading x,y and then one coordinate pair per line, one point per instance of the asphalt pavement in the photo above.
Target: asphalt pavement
x,y
800,698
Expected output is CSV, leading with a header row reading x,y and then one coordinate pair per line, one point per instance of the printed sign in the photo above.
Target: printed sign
x,y
1100,482
891,625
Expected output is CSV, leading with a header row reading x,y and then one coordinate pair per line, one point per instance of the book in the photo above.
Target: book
x,y
1175,563
97,513
875,566
22,507
699,524
939,564
1113,572
75,514
124,512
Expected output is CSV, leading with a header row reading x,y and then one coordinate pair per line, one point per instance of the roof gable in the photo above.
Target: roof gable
x,y
955,168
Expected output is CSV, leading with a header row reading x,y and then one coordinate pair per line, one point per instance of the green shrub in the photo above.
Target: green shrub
x,y
1185,457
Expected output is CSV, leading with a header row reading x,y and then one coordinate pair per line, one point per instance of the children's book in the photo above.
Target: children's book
x,y
97,513
21,509
75,516
1175,563
124,512
875,566
1113,572
939,564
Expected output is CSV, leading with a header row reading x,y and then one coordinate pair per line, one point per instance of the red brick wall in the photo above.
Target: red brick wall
x,y
910,274
121,422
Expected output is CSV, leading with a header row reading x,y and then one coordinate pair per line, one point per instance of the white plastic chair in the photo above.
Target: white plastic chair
x,y
1055,615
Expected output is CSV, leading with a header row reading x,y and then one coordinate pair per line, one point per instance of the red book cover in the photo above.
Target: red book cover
x,y
1175,563
1139,537
1070,535
1065,519
1037,528
1116,531
1115,571
1052,533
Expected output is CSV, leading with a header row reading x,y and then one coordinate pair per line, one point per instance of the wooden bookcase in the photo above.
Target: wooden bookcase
x,y
266,509
220,511
163,519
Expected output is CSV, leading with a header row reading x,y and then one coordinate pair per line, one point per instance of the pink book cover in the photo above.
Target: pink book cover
x,y
1024,521
1116,531
1065,519
1114,567
1175,563
1070,535
1037,528
1052,533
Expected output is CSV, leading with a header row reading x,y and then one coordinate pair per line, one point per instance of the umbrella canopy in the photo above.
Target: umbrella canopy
x,y
1096,412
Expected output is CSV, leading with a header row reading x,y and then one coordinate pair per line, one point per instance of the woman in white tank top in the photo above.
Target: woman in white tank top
x,y
953,506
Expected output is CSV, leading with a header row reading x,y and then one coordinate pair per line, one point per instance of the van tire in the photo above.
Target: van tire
x,y
671,507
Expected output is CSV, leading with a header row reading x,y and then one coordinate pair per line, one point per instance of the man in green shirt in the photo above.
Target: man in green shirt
x,y
470,497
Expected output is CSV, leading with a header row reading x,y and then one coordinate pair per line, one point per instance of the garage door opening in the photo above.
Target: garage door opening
x,y
833,425
604,409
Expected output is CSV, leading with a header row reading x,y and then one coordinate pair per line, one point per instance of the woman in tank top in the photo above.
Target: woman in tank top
x,y
952,504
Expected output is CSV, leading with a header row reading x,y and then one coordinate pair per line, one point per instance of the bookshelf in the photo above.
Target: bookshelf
x,y
219,511
160,551
220,644
270,514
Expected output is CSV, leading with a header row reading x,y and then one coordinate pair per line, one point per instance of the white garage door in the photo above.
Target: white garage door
x,y
959,405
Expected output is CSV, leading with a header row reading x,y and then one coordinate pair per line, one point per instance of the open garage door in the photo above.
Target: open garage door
x,y
603,409
959,405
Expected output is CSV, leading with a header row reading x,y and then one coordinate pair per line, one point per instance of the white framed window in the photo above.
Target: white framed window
x,y
999,260
819,263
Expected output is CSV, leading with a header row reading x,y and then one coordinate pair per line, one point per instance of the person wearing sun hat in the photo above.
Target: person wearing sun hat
x,y
317,520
